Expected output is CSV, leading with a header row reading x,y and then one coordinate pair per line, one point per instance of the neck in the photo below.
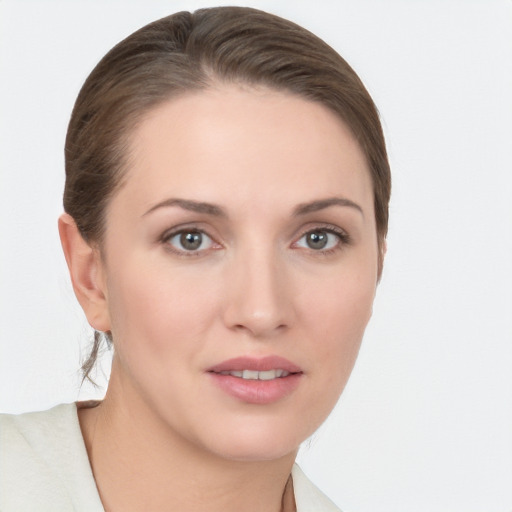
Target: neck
x,y
140,464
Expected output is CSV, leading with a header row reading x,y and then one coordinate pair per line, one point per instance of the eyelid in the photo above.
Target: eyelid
x,y
177,230
344,237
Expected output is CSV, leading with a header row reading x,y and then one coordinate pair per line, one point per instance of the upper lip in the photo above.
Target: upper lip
x,y
260,364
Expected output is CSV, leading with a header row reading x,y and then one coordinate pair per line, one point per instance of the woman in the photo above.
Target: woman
x,y
226,201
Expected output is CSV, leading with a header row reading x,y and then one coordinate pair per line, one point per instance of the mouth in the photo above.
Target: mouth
x,y
257,380
256,375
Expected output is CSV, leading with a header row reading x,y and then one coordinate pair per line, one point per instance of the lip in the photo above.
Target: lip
x,y
258,392
255,364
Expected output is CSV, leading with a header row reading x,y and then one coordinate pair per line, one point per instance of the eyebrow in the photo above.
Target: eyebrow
x,y
321,204
193,206
217,211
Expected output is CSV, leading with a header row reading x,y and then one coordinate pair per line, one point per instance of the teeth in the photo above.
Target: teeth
x,y
268,375
255,375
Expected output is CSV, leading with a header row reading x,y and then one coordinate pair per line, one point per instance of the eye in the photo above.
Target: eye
x,y
322,240
190,240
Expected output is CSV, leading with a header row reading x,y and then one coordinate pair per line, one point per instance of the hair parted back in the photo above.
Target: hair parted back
x,y
188,52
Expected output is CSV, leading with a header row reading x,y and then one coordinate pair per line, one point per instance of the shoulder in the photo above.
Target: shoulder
x,y
44,464
308,497
35,424
38,436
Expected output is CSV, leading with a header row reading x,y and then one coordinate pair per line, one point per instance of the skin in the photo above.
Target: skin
x,y
255,288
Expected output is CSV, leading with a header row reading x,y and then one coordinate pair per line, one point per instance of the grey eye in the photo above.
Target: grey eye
x,y
316,240
319,240
190,241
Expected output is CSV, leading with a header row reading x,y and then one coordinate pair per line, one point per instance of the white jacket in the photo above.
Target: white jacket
x,y
44,467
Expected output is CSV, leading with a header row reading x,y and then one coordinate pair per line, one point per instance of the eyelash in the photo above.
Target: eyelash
x,y
169,235
343,240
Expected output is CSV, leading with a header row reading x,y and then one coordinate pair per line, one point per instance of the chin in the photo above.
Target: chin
x,y
257,451
256,440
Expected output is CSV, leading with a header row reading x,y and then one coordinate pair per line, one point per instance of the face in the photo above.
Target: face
x,y
239,268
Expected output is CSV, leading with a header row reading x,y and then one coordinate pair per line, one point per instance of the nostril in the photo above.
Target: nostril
x,y
259,330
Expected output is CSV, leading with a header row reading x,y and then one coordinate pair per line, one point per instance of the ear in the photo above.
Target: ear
x,y
86,270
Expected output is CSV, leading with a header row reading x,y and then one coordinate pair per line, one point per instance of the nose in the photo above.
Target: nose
x,y
258,294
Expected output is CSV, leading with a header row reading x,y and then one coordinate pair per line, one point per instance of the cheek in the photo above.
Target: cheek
x,y
154,312
340,306
335,321
336,317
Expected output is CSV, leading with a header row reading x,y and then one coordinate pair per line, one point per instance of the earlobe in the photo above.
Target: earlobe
x,y
86,272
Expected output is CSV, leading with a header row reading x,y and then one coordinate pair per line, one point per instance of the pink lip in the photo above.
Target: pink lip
x,y
255,364
256,391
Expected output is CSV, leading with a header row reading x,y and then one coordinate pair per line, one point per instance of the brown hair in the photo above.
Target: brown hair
x,y
191,51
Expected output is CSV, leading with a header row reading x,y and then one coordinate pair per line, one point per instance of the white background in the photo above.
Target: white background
x,y
426,420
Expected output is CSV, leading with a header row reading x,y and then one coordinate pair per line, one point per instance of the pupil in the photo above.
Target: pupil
x,y
191,241
317,240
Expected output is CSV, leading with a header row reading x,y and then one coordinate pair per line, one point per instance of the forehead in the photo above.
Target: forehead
x,y
231,142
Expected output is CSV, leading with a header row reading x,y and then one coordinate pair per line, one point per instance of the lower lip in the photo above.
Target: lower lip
x,y
257,391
